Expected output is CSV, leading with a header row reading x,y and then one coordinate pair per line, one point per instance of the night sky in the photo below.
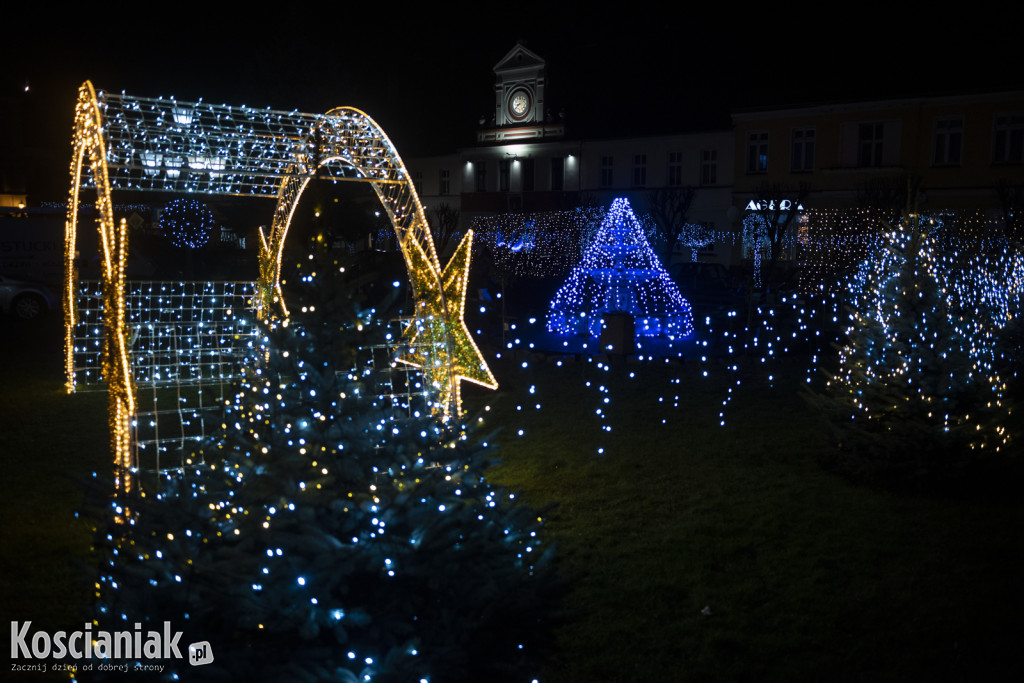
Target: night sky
x,y
427,79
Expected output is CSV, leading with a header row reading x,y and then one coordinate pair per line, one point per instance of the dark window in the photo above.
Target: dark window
x,y
557,173
1008,145
949,135
803,150
606,171
757,152
675,168
709,167
504,175
870,141
481,176
639,170
526,176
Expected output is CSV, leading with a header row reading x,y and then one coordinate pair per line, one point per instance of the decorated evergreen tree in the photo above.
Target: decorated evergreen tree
x,y
339,534
914,399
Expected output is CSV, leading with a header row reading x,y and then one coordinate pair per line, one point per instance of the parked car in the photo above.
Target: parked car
x,y
26,300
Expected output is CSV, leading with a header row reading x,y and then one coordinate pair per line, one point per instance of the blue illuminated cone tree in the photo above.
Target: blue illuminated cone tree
x,y
620,273
339,535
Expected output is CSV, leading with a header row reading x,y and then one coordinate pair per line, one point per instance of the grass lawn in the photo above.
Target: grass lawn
x,y
47,439
804,576
690,551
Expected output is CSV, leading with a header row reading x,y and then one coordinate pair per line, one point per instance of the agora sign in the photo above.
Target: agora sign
x,y
784,205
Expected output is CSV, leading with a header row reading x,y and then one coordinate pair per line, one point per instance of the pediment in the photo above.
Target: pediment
x,y
519,58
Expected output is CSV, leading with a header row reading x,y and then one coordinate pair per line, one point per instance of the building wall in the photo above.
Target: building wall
x,y
555,175
959,148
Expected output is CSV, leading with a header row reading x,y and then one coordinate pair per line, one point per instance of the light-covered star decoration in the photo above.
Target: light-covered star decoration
x,y
437,340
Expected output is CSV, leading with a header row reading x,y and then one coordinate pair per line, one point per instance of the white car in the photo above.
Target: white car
x,y
25,300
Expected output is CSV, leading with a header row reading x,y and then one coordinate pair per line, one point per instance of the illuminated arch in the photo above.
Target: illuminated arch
x,y
158,144
349,139
88,142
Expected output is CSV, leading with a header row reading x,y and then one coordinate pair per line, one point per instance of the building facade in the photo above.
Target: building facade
x,y
524,161
958,151
961,152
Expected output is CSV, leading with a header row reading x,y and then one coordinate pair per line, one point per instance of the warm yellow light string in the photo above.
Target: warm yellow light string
x,y
88,138
80,146
460,356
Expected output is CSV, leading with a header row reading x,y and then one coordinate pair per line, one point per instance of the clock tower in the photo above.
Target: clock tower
x,y
519,108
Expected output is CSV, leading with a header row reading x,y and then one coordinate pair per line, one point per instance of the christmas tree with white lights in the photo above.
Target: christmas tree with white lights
x,y
339,534
913,401
620,273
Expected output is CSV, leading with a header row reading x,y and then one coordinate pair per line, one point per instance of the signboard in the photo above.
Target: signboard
x,y
784,205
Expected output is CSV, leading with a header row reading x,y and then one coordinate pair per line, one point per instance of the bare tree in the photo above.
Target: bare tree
x,y
446,225
887,199
775,209
669,207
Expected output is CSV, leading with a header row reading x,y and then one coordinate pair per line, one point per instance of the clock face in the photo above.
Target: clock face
x,y
519,104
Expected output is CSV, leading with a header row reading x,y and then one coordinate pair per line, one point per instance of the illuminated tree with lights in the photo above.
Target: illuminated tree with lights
x,y
915,399
341,535
620,272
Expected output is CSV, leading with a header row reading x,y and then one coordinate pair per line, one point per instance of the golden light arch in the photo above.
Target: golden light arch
x,y
161,144
349,139
88,142
346,137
